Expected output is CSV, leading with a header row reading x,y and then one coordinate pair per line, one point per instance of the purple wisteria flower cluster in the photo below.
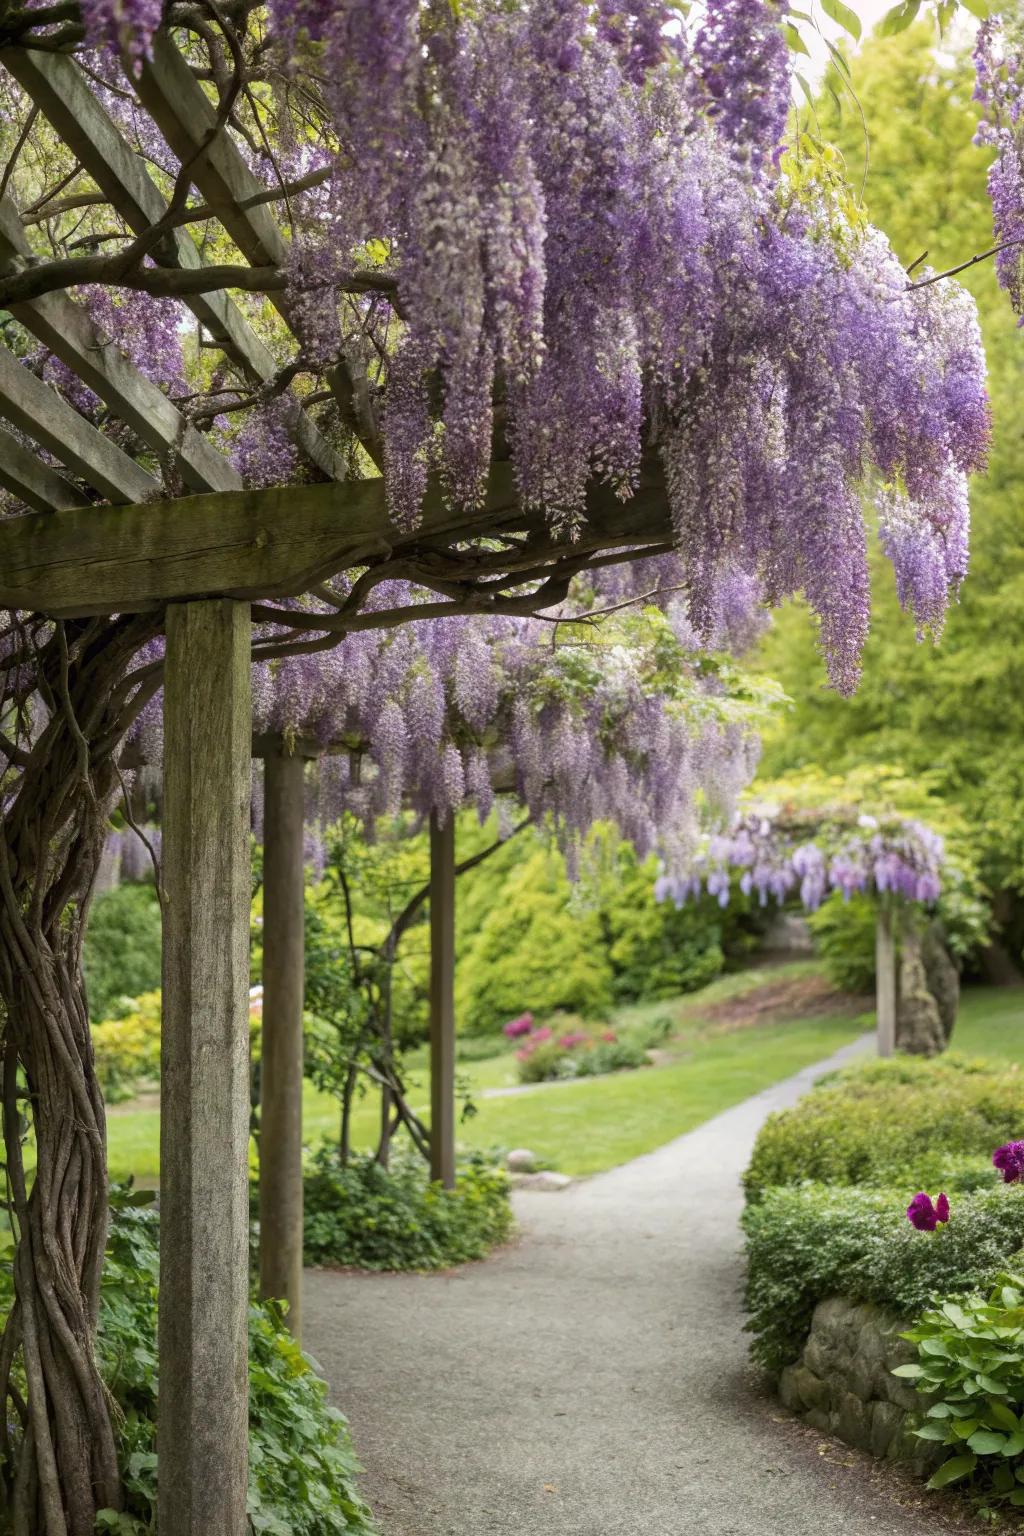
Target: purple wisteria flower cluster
x,y
999,66
778,856
625,722
593,246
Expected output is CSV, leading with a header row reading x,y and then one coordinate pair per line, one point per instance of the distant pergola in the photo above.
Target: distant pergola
x,y
215,563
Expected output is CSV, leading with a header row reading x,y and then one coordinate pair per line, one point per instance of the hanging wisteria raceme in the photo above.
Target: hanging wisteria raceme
x,y
999,64
775,856
594,249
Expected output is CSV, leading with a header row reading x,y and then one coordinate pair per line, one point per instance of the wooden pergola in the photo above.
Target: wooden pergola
x,y
100,536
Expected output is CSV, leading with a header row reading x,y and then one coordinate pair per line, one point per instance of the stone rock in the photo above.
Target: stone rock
x,y
919,1028
543,1180
853,1421
942,976
888,1427
810,1390
520,1160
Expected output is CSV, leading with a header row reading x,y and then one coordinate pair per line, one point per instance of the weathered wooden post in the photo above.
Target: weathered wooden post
x,y
204,1130
281,1068
885,979
442,1000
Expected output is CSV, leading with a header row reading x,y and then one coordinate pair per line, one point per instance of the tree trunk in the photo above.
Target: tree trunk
x,y
64,1468
281,1197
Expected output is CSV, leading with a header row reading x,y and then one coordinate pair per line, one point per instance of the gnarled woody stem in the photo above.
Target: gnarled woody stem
x,y
63,1468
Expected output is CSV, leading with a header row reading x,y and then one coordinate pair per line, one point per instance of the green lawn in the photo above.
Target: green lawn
x,y
991,1023
585,1126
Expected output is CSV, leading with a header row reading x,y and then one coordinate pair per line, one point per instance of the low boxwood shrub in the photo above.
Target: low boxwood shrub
x,y
904,1120
368,1217
807,1243
302,1467
970,1371
122,953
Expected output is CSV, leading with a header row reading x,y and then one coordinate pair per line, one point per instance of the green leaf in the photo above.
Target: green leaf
x,y
1002,1479
1015,1444
843,17
951,1471
898,19
909,1372
977,8
1017,1497
935,1347
990,1384
987,1442
932,1432
1003,1417
795,41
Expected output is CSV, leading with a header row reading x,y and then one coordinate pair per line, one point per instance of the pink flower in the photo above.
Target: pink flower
x,y
572,1039
609,1035
925,1216
517,1027
540,1034
1010,1161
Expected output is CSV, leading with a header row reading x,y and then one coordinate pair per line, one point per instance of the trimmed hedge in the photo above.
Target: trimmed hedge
x,y
905,1121
805,1244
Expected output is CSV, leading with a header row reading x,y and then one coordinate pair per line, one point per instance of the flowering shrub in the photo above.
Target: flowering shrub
x,y
515,1028
577,1052
1010,1161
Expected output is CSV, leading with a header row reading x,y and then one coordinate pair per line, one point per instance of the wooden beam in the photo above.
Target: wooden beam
x,y
38,411
885,979
282,1058
58,87
203,1430
442,1000
25,475
65,328
277,542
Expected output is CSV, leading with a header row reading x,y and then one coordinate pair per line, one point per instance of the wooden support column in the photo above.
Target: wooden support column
x,y
203,1428
442,1001
885,979
282,1059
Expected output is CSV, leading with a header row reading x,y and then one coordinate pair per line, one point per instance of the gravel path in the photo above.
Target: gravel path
x,y
591,1380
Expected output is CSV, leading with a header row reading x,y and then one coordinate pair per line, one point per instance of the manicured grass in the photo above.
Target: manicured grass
x,y
588,1125
991,1023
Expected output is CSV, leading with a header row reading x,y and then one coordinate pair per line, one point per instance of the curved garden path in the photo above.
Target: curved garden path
x,y
591,1380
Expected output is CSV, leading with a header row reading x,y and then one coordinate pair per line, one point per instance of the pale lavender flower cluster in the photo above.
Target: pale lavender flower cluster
x,y
124,27
778,856
449,713
999,66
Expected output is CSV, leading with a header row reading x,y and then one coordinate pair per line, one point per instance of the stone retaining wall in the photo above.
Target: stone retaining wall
x,y
843,1382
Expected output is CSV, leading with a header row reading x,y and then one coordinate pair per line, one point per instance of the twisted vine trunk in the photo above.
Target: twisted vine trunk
x,y
63,1467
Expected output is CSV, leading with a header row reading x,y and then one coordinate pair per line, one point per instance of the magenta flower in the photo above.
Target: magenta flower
x,y
925,1216
517,1027
572,1039
609,1035
540,1034
1009,1159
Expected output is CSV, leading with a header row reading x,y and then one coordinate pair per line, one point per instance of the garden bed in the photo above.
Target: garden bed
x,y
888,1316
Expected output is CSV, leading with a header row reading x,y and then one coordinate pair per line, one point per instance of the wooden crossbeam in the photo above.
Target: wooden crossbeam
x,y
37,410
277,542
25,475
65,328
58,87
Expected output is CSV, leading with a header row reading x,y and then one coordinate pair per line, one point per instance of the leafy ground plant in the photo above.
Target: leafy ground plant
x,y
367,1217
970,1371
302,1467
